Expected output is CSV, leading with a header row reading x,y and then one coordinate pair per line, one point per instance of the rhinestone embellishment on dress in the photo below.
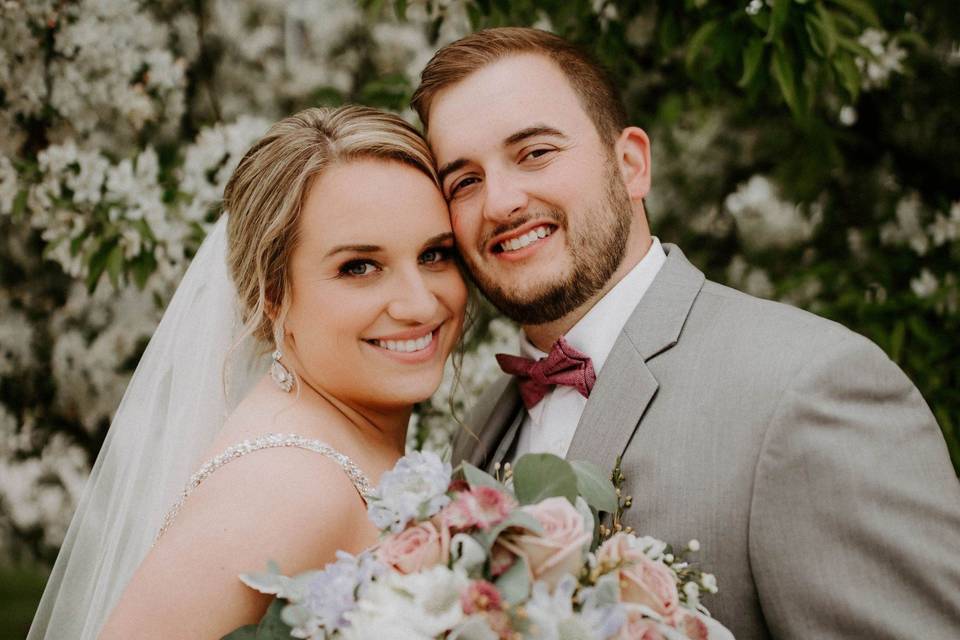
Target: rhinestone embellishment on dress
x,y
269,441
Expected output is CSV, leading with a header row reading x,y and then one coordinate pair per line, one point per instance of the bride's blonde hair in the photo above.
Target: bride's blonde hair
x,y
266,192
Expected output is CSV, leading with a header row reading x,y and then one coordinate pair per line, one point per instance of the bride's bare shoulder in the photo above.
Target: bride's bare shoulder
x,y
287,504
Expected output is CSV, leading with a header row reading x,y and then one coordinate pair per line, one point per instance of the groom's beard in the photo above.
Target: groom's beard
x,y
596,251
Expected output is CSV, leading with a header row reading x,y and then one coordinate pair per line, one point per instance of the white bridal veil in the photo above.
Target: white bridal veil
x,y
190,375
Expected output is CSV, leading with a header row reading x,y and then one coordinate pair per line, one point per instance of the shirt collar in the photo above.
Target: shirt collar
x,y
596,332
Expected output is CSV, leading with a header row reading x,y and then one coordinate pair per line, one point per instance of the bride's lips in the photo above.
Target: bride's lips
x,y
408,346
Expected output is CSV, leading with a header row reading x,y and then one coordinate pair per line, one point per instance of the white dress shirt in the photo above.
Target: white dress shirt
x,y
549,426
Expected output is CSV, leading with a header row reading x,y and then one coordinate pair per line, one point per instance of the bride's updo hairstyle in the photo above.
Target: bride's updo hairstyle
x,y
266,192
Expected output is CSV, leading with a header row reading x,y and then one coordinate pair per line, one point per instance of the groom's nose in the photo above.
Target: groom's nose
x,y
504,196
413,299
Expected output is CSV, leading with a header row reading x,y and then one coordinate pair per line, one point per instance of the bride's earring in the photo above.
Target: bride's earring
x,y
280,374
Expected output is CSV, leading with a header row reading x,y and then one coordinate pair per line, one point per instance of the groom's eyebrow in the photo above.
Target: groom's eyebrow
x,y
449,168
530,132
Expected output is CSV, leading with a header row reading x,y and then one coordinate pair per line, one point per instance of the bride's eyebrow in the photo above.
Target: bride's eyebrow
x,y
353,248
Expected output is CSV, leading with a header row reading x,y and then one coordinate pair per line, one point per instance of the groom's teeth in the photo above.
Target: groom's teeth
x,y
406,346
525,240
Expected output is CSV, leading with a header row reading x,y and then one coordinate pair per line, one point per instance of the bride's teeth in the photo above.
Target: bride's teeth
x,y
525,240
406,346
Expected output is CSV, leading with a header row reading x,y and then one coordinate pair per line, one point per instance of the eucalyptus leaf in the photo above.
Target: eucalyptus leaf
x,y
595,486
514,584
272,626
537,476
248,632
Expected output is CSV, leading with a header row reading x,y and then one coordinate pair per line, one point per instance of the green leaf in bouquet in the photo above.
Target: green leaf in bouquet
x,y
514,584
272,626
478,478
248,632
538,476
595,486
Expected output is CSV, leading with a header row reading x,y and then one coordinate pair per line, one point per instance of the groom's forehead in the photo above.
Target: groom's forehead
x,y
498,100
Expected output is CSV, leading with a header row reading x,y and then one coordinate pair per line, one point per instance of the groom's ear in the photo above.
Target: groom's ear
x,y
632,151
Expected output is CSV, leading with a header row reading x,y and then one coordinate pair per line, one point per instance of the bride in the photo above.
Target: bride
x,y
327,302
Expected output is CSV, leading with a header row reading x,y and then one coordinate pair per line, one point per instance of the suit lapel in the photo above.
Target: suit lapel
x,y
625,386
497,428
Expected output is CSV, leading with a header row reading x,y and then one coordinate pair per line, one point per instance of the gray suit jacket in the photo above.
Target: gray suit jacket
x,y
802,458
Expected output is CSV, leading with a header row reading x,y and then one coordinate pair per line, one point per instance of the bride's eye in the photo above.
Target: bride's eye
x,y
357,268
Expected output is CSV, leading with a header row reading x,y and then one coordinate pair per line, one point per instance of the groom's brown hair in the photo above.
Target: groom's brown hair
x,y
597,92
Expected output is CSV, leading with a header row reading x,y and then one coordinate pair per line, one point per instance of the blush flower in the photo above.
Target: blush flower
x,y
559,550
480,596
642,580
415,548
483,507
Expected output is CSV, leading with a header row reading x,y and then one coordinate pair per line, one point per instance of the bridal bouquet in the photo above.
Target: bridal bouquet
x,y
485,558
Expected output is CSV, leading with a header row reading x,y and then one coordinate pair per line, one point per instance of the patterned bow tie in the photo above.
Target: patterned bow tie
x,y
564,365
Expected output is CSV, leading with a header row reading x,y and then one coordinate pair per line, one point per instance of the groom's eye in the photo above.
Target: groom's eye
x,y
539,152
457,186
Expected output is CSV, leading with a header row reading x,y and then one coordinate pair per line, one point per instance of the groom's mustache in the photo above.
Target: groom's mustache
x,y
557,216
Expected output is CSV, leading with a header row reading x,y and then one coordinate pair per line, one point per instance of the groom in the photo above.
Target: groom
x,y
801,457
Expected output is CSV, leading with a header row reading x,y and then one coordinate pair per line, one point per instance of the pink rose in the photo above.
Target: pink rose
x,y
559,549
639,627
483,507
694,627
415,548
642,580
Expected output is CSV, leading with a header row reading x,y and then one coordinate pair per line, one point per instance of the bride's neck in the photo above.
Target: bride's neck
x,y
379,427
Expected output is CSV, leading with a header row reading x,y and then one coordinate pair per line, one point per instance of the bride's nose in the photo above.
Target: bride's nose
x,y
413,300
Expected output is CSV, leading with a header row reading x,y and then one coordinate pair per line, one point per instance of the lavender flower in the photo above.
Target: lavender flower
x,y
333,592
415,488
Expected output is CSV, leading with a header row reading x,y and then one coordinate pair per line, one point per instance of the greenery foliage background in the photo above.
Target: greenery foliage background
x,y
804,150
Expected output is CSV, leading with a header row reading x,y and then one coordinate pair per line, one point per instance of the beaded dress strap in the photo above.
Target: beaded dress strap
x,y
270,441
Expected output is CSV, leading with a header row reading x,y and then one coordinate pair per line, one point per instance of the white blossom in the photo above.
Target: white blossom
x,y
925,285
416,487
9,185
908,228
417,606
945,228
886,58
766,221
848,115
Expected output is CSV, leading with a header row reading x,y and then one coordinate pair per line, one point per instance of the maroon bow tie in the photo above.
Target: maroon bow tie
x,y
564,365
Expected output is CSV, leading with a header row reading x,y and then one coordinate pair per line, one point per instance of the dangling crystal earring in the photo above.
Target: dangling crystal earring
x,y
280,374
